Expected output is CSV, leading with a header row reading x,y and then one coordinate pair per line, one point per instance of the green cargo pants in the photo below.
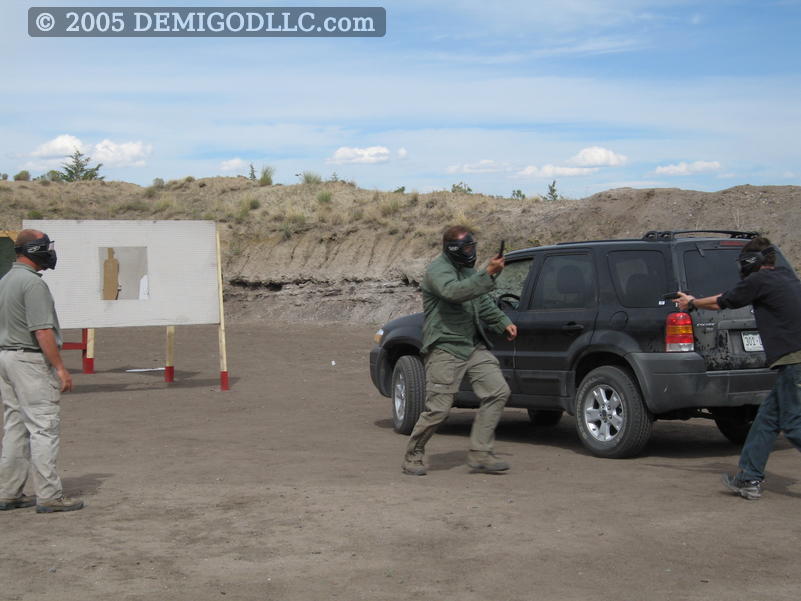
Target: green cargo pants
x,y
444,373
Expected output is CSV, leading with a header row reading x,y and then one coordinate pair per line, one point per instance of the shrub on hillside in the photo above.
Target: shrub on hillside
x,y
553,193
23,176
310,177
266,178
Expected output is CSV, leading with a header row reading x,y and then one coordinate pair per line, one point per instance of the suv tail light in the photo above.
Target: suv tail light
x,y
679,333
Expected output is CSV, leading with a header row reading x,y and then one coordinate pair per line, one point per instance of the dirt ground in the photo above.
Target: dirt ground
x,y
288,487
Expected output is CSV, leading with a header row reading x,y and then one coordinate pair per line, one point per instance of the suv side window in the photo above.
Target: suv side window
x,y
638,276
511,279
565,282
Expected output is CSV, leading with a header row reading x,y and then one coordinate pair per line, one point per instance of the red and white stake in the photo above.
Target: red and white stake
x,y
223,354
169,363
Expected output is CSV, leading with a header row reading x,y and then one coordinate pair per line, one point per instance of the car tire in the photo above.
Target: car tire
x,y
611,418
735,422
408,393
544,418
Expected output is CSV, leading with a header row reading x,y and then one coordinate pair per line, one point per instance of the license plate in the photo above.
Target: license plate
x,y
752,341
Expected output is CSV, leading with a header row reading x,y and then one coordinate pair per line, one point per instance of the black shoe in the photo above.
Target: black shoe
x,y
747,489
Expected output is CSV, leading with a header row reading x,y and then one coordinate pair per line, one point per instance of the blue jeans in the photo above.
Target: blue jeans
x,y
780,412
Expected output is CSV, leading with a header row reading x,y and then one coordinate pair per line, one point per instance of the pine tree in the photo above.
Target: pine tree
x,y
77,168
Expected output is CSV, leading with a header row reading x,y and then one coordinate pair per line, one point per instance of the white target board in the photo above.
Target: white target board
x,y
133,273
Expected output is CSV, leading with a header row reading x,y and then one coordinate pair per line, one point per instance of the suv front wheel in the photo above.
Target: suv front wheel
x,y
611,418
408,393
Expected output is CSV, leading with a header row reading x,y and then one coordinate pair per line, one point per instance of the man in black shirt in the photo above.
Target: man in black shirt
x,y
775,294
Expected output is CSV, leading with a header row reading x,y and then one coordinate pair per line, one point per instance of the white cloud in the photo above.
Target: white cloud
x,y
123,154
555,171
483,166
59,147
347,154
236,164
402,153
683,168
596,156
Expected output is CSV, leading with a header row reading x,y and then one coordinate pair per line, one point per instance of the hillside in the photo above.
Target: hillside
x,y
333,251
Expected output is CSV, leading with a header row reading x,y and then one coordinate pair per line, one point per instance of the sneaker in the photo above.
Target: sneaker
x,y
747,489
18,503
62,504
486,463
414,466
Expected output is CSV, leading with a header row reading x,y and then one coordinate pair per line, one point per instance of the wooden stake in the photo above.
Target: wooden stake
x,y
169,363
89,353
223,354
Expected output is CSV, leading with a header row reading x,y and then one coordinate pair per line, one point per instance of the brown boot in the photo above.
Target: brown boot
x,y
486,462
17,503
413,465
62,504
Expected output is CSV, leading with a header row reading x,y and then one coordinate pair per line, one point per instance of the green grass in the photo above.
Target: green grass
x,y
310,177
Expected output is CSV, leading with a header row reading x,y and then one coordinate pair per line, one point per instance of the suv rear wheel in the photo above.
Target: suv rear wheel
x,y
408,393
611,418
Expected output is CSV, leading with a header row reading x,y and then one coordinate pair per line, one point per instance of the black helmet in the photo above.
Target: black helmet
x,y
752,261
40,251
461,251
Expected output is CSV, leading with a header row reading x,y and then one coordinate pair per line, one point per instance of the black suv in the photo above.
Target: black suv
x,y
600,338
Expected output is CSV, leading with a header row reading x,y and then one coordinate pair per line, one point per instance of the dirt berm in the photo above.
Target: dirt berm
x,y
368,274
331,251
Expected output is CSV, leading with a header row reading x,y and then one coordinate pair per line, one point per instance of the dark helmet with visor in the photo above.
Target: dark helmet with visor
x,y
41,251
752,261
461,251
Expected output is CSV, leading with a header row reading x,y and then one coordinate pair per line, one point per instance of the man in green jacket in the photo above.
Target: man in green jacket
x,y
456,303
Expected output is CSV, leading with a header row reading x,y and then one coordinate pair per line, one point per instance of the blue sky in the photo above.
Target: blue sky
x,y
502,96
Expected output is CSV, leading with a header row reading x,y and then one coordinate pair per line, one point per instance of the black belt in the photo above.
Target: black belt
x,y
25,350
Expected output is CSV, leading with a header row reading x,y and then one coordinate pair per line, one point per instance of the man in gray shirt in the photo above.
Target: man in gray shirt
x,y
32,378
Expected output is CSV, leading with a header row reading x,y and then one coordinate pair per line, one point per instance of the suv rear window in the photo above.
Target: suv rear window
x,y
711,271
638,276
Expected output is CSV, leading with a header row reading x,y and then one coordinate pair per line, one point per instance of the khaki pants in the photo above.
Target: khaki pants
x,y
31,393
444,373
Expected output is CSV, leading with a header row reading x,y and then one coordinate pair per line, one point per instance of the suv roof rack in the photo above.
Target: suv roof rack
x,y
594,241
655,235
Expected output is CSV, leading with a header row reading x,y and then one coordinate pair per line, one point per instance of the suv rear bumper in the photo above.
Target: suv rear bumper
x,y
672,381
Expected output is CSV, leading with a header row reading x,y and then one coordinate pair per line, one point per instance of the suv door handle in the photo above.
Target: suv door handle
x,y
572,327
